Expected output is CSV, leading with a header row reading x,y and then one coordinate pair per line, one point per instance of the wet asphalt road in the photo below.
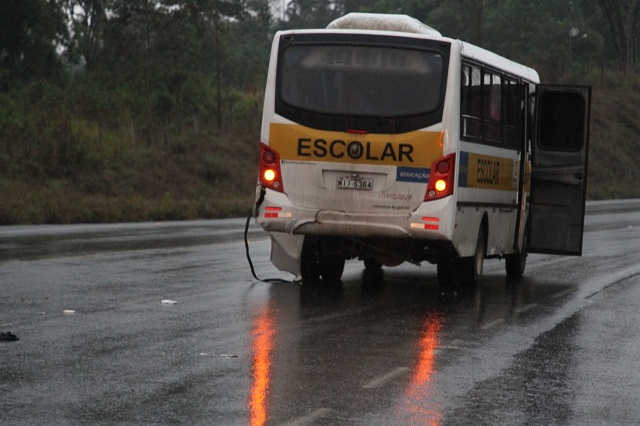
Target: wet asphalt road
x,y
97,346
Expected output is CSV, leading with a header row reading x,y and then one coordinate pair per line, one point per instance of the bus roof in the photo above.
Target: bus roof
x,y
382,22
404,24
494,60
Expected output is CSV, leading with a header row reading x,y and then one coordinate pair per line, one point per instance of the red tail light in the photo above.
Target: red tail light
x,y
270,174
442,178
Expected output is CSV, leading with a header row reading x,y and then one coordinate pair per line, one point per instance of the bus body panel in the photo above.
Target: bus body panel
x,y
487,186
296,220
396,167
285,251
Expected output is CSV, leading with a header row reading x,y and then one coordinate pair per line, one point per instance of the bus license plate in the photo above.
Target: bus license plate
x,y
355,183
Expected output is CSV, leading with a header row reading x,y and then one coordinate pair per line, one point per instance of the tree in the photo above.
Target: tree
x,y
464,19
348,6
87,19
30,31
623,17
311,13
418,9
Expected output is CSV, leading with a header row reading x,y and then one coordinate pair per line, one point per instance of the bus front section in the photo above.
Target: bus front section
x,y
354,158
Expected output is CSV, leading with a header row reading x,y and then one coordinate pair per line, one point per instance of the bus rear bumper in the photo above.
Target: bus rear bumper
x,y
431,222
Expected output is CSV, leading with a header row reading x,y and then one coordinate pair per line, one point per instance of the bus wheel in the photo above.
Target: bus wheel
x,y
471,267
333,267
371,264
316,263
311,262
445,272
516,262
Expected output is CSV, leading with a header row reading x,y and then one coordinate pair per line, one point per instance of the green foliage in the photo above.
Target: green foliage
x,y
614,153
29,32
128,110
310,13
210,178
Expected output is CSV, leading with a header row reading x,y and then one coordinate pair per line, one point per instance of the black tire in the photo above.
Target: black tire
x,y
516,262
471,267
311,262
317,264
445,272
371,264
333,267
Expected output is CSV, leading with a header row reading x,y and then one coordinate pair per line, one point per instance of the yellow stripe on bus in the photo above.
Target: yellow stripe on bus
x,y
300,143
487,172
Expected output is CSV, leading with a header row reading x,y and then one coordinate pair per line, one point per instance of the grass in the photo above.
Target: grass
x,y
614,153
201,180
211,174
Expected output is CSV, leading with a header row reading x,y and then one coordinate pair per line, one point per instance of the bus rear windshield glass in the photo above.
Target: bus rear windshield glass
x,y
361,80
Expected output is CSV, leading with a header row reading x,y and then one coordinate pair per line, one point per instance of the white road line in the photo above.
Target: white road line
x,y
309,418
562,293
384,379
526,308
492,324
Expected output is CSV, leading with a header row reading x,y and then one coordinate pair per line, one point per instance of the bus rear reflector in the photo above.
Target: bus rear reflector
x,y
271,212
431,225
442,178
270,175
427,226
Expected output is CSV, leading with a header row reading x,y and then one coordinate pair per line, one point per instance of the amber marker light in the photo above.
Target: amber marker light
x,y
441,185
269,175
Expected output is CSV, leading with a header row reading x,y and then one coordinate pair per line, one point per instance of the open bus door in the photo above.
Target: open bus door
x,y
559,169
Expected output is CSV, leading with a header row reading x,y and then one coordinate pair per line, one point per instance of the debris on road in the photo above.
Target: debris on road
x,y
8,337
169,302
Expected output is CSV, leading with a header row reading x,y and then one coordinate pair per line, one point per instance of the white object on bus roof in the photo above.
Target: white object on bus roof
x,y
382,22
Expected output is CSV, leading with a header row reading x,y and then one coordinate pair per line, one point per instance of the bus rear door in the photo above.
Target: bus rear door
x,y
559,169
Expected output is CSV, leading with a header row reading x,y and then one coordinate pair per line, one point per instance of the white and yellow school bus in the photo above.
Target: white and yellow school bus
x,y
383,141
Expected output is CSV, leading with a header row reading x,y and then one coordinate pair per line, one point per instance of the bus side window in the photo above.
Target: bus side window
x,y
532,114
512,112
471,103
563,127
492,103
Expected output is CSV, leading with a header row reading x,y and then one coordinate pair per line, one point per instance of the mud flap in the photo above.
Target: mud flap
x,y
286,251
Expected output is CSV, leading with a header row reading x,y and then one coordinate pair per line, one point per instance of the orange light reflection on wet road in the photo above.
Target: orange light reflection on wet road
x,y
262,346
420,407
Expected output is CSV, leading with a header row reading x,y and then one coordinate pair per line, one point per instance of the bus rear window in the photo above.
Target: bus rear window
x,y
361,80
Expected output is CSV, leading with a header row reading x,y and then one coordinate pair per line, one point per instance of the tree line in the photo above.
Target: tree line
x,y
86,84
164,63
